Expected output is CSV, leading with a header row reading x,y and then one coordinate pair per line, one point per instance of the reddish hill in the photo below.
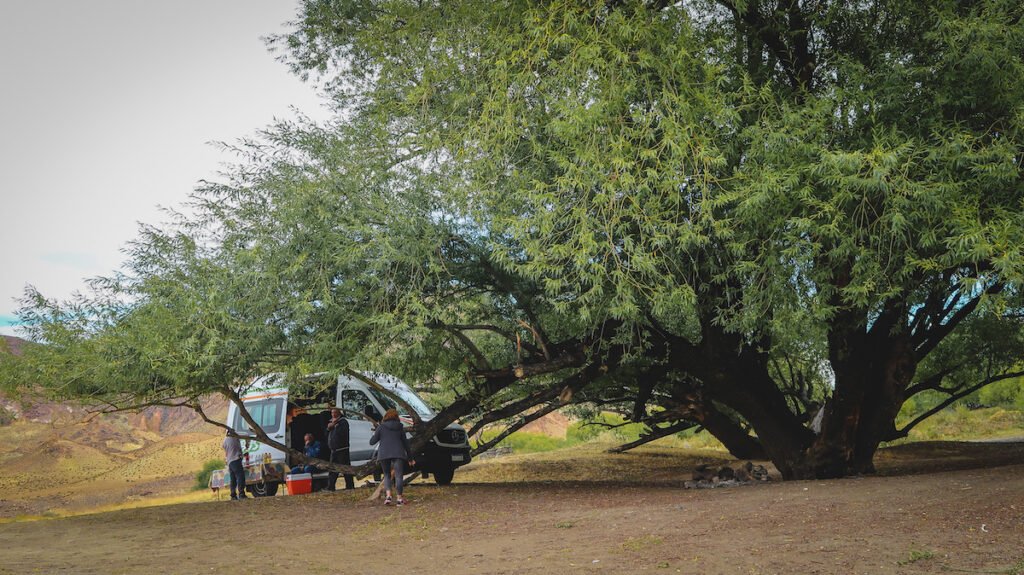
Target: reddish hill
x,y
12,344
554,424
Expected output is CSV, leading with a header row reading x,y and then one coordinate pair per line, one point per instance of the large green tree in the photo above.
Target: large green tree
x,y
771,219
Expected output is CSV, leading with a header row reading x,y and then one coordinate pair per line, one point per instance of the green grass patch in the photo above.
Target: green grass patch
x,y
522,442
917,555
637,544
961,423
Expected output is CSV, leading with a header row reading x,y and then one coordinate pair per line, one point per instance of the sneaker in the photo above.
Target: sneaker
x,y
243,496
387,500
400,501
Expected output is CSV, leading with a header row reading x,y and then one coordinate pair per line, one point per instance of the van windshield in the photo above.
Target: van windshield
x,y
409,397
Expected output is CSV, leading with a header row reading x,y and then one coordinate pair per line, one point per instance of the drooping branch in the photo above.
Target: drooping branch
x,y
573,384
482,447
111,407
901,433
934,381
655,433
458,329
537,336
391,395
927,339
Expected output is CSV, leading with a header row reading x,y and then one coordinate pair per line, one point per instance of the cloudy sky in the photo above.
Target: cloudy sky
x,y
107,111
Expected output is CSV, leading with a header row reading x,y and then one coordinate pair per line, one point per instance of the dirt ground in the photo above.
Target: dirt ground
x,y
902,521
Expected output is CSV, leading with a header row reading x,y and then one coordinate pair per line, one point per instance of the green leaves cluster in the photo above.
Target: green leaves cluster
x,y
505,180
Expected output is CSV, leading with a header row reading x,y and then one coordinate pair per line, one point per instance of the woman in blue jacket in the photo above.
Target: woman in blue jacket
x,y
392,453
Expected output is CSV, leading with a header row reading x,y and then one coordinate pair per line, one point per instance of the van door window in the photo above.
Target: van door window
x,y
265,412
354,401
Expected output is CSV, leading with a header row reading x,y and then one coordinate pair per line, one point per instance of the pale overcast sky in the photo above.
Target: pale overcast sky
x,y
107,110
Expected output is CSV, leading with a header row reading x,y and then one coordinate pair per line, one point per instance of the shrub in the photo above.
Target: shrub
x,y
203,475
1006,393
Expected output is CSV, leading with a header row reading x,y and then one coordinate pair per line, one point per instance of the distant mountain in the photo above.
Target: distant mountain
x,y
92,459
89,459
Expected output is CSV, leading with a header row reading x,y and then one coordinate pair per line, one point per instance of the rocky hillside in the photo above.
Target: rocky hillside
x,y
64,456
11,344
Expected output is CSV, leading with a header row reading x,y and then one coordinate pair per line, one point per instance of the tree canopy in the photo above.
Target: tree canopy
x,y
777,220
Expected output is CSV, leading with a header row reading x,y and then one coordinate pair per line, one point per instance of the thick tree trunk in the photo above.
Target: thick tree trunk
x,y
872,372
735,374
736,439
873,369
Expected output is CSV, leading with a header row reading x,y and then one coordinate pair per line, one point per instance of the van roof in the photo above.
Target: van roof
x,y
274,382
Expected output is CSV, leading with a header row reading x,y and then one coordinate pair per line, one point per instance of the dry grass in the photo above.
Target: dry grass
x,y
592,463
137,503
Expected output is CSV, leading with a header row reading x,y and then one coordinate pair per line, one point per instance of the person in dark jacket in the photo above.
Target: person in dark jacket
x,y
312,450
338,443
392,453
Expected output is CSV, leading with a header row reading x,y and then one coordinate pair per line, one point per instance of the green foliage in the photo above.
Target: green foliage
x,y
1007,393
203,475
508,180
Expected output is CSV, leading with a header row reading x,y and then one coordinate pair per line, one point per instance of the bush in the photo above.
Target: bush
x,y
1006,393
203,475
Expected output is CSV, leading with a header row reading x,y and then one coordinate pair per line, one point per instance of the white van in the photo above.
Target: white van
x,y
286,416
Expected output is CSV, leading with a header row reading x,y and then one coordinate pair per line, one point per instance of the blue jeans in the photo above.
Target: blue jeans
x,y
237,478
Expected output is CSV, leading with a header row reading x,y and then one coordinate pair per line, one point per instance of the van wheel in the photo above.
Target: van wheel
x,y
263,489
444,475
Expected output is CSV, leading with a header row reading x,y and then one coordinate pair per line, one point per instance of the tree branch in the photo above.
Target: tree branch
x,y
482,447
656,433
900,433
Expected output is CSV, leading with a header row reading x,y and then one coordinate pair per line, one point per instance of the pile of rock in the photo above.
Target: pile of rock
x,y
705,477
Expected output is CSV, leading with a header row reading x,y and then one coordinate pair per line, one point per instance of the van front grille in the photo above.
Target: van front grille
x,y
452,436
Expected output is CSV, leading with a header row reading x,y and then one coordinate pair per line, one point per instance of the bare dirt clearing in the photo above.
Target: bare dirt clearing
x,y
961,521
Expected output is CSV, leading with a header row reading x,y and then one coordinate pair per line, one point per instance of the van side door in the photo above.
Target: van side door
x,y
356,401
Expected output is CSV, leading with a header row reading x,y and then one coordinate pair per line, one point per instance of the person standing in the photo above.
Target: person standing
x,y
393,452
338,443
233,456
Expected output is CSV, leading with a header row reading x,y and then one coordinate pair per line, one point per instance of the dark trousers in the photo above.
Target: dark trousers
x,y
343,457
237,478
398,465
